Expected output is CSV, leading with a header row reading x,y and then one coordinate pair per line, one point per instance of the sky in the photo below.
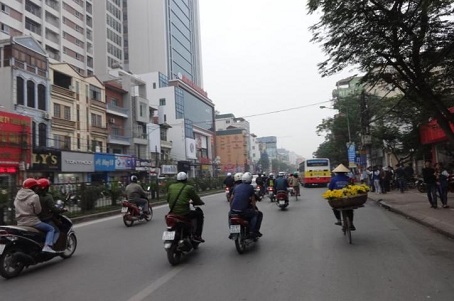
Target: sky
x,y
257,58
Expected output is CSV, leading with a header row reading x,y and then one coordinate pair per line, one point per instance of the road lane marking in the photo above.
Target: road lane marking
x,y
145,293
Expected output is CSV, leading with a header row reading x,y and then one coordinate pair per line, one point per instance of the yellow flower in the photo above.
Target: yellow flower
x,y
347,191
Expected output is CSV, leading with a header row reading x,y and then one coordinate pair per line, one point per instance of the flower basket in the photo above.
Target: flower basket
x,y
350,201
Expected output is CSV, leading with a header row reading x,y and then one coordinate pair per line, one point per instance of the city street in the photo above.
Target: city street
x,y
302,256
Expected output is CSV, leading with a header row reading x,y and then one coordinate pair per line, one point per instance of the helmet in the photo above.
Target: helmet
x,y
238,176
271,174
134,179
182,176
295,173
280,174
229,174
30,183
246,177
43,183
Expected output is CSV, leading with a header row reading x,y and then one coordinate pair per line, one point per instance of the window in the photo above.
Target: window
x,y
20,90
5,9
42,134
162,101
95,93
4,28
67,112
163,134
57,112
96,120
42,97
143,110
30,94
62,142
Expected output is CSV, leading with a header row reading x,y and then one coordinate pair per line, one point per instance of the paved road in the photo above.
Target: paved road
x,y
302,256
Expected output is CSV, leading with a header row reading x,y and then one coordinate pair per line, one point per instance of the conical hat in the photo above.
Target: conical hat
x,y
341,168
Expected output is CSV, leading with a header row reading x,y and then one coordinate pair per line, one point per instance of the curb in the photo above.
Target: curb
x,y
408,216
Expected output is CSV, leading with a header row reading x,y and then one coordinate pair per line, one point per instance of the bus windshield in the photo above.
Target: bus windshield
x,y
317,163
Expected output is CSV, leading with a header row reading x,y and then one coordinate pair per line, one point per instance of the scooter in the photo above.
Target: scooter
x,y
421,185
282,199
21,246
239,232
271,194
179,237
132,213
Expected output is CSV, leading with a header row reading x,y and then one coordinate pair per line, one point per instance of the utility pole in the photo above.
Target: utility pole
x,y
365,128
156,169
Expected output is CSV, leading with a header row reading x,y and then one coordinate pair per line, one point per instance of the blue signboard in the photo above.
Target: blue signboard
x,y
104,162
351,155
124,162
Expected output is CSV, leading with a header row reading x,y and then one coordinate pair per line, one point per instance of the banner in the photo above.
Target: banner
x,y
190,149
351,155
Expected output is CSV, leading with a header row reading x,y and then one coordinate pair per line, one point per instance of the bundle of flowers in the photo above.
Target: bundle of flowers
x,y
350,195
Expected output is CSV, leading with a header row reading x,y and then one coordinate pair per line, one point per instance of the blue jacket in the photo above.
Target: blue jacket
x,y
339,181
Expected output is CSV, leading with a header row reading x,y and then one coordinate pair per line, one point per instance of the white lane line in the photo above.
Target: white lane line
x,y
104,219
145,293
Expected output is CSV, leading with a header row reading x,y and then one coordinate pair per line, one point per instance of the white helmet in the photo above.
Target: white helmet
x,y
229,174
182,176
281,174
247,178
134,179
238,176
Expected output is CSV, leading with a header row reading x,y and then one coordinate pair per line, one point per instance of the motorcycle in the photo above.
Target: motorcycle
x,y
282,199
271,194
21,246
227,193
421,185
133,213
239,232
179,237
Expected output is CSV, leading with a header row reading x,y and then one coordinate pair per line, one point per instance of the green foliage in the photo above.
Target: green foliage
x,y
115,192
88,196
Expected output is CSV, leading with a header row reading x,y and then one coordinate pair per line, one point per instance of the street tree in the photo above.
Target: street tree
x,y
406,45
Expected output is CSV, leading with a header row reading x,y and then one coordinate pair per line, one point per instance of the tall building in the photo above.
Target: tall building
x,y
63,27
164,36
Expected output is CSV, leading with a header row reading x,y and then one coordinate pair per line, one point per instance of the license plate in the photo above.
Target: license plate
x,y
168,235
281,202
124,209
235,228
2,248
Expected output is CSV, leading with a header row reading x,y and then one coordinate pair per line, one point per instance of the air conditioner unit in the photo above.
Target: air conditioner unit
x,y
112,120
46,116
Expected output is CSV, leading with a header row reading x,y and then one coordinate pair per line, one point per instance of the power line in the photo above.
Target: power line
x,y
285,110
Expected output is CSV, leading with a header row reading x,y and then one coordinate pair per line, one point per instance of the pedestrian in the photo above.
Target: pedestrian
x,y
442,175
376,179
401,178
428,174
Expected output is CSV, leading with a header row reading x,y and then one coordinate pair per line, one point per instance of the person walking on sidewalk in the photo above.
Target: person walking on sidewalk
x,y
376,179
428,174
442,175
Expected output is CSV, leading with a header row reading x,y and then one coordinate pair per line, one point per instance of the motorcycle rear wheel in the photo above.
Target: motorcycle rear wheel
x,y
173,256
71,245
421,188
240,244
10,268
127,222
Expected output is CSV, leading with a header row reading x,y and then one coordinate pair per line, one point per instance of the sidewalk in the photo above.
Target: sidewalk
x,y
415,206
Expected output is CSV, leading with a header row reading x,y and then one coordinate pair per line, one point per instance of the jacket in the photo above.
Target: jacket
x,y
27,207
188,193
48,208
135,192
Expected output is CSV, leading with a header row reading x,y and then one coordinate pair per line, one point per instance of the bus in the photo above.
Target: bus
x,y
315,172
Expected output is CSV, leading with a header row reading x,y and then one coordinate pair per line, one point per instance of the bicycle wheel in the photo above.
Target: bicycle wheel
x,y
348,229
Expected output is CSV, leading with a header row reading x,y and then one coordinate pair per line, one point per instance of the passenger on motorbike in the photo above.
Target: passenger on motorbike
x,y
48,208
237,178
136,194
181,206
280,184
244,204
229,181
339,181
27,207
270,180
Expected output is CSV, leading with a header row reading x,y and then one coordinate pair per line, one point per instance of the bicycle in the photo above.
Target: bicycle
x,y
346,222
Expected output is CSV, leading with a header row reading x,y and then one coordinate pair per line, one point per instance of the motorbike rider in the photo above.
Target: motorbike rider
x,y
339,181
181,206
229,181
244,203
136,194
48,208
27,207
259,182
296,183
280,184
270,180
237,178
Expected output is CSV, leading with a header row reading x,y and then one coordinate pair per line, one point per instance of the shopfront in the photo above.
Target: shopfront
x,y
45,164
124,166
104,168
75,167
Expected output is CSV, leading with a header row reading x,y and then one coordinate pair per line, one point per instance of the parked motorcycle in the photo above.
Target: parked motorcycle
x,y
21,246
282,199
133,213
271,194
421,185
239,232
179,237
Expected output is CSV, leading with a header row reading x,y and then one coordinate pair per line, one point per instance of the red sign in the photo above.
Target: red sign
x,y
15,139
194,86
432,133
11,169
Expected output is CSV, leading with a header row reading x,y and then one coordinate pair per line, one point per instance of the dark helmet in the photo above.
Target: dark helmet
x,y
30,183
43,183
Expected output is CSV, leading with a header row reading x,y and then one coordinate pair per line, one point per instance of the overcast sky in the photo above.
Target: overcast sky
x,y
258,58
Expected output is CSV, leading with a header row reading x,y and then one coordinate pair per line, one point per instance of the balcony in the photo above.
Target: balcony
x,y
63,91
98,103
98,130
118,139
116,110
67,124
166,144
